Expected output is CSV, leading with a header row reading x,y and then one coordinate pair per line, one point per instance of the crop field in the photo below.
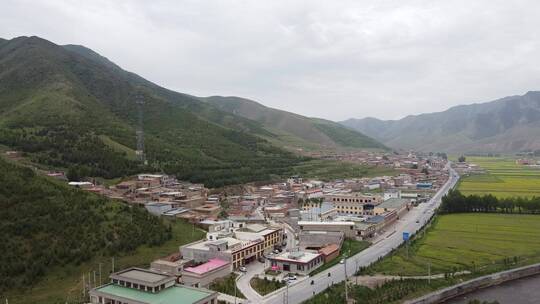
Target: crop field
x,y
472,241
504,178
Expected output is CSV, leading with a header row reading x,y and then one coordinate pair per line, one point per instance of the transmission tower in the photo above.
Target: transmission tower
x,y
139,100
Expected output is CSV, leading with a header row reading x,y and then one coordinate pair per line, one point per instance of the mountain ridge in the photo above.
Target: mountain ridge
x,y
507,124
71,108
295,127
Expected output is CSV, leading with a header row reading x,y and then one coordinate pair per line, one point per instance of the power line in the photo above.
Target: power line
x,y
139,100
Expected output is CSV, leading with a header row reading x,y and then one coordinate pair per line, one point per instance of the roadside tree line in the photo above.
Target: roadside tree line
x,y
456,202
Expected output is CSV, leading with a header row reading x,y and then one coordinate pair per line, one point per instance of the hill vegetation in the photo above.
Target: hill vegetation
x,y
71,108
44,224
509,124
59,103
293,130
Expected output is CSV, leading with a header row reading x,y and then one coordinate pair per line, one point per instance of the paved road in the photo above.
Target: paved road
x,y
291,236
304,290
244,286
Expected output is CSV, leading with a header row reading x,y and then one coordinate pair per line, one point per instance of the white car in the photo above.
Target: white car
x,y
242,269
342,261
292,278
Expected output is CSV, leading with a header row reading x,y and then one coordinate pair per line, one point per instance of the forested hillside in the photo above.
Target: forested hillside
x,y
45,224
71,108
296,131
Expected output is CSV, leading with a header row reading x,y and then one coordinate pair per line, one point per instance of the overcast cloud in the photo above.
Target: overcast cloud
x,y
331,59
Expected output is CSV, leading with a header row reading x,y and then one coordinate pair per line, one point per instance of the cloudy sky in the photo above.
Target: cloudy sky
x,y
331,59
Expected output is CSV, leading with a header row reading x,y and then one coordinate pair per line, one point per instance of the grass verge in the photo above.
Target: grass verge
x,y
265,286
227,285
388,293
350,247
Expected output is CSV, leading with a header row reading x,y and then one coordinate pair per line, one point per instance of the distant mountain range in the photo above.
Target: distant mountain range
x,y
71,108
509,124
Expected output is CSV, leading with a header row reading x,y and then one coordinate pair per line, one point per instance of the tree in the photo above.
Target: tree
x,y
461,159
425,171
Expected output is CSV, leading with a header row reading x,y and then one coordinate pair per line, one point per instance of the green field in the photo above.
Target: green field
x,y
64,284
504,178
472,241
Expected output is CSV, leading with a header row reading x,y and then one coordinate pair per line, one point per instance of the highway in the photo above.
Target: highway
x,y
304,290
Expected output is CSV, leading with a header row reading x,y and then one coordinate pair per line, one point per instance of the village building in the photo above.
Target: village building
x,y
142,286
301,262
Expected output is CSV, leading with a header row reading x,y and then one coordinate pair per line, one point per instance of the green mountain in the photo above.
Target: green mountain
x,y
44,224
69,107
510,124
293,130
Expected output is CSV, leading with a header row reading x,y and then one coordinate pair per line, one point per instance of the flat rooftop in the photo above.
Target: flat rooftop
x,y
141,275
393,203
212,264
333,223
232,242
173,295
297,256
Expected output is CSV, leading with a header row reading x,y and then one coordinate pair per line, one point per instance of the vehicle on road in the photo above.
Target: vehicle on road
x,y
342,261
242,269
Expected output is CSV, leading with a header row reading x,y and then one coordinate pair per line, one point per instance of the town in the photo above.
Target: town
x,y
266,237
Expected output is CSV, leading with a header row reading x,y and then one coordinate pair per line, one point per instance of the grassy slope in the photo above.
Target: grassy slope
x,y
329,170
227,285
392,292
503,179
293,130
264,287
456,241
68,232
47,87
65,283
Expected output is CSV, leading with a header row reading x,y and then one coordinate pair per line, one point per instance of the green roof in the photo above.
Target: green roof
x,y
172,295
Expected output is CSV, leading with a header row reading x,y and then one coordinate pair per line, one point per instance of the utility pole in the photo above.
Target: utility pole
x,y
429,272
235,287
407,248
139,100
287,292
95,279
346,291
99,274
356,262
